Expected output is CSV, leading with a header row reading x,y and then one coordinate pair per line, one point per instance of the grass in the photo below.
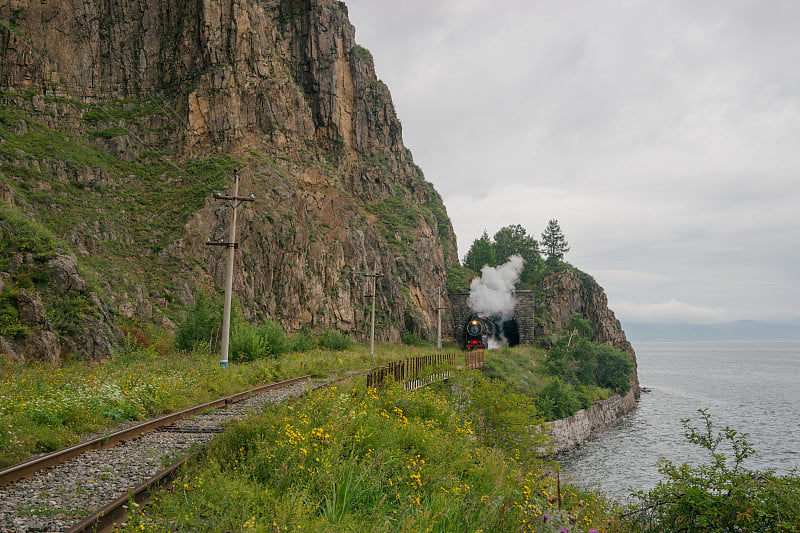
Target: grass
x,y
439,459
45,408
359,459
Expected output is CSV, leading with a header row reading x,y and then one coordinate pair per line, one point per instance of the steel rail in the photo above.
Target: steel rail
x,y
106,519
29,468
114,514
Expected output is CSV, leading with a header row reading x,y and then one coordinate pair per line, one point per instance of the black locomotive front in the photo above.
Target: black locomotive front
x,y
477,331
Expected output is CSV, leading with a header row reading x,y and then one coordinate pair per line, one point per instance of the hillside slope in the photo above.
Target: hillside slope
x,y
119,119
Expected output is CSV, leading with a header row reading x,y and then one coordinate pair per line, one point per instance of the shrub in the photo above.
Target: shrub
x,y
572,360
716,496
412,339
200,325
275,342
500,416
334,340
302,341
580,362
558,400
246,342
614,368
581,325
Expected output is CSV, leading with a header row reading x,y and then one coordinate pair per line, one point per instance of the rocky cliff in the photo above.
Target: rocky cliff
x,y
568,291
119,118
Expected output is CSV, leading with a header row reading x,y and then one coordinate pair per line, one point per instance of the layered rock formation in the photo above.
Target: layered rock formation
x,y
566,292
118,119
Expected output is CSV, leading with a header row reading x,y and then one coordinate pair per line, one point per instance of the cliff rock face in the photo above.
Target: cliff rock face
x,y
118,119
567,292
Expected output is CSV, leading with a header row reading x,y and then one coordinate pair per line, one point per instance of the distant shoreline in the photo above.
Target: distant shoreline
x,y
741,331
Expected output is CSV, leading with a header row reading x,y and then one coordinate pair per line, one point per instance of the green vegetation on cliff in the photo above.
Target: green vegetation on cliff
x,y
121,212
20,236
562,383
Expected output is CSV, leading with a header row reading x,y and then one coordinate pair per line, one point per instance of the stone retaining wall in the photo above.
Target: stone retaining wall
x,y
569,433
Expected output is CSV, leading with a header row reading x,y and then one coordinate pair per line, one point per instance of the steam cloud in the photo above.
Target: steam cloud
x,y
492,294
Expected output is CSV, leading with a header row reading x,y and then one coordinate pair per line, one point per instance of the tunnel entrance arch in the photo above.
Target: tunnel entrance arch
x,y
511,332
523,316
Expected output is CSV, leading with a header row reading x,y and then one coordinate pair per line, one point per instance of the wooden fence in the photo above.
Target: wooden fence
x,y
412,372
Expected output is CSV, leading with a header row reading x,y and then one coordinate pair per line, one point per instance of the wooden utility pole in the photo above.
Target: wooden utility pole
x,y
374,277
439,318
234,201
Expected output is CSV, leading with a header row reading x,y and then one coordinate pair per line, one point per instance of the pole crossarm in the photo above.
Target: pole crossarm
x,y
236,201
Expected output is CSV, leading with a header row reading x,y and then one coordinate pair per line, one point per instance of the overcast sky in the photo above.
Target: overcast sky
x,y
663,136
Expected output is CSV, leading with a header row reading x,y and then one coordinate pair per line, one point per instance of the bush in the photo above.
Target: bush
x,y
558,400
581,325
302,341
501,417
411,338
614,369
573,361
335,341
201,324
275,341
578,361
247,343
716,496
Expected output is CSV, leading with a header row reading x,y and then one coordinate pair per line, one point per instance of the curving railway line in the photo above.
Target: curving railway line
x,y
62,491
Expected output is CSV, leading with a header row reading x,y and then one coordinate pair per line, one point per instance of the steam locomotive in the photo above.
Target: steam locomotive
x,y
481,331
477,332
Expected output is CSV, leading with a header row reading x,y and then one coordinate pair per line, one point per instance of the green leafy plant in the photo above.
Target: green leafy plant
x,y
275,340
302,341
334,340
361,459
200,325
721,495
578,361
501,416
246,342
412,338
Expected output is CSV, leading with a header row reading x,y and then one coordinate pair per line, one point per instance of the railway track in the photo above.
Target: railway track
x,y
63,490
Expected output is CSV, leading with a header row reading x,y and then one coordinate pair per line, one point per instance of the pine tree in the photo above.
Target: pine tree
x,y
481,253
514,240
554,243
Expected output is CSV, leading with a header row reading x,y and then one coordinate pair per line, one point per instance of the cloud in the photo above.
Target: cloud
x,y
672,311
662,136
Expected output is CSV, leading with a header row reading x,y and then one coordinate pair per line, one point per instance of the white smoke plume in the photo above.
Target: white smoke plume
x,y
492,294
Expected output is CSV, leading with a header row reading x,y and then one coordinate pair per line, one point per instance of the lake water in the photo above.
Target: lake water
x,y
752,387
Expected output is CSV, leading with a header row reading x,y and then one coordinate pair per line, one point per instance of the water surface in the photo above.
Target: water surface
x,y
751,387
